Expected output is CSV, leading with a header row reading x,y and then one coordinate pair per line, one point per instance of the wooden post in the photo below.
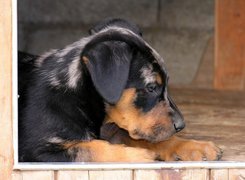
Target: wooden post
x,y
230,45
6,145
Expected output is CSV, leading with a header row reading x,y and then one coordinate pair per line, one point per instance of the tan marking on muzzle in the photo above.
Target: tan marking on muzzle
x,y
140,125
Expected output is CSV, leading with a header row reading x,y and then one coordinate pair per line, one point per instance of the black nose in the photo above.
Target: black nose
x,y
179,125
177,118
178,121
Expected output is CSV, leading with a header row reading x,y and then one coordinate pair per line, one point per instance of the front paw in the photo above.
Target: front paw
x,y
192,150
138,155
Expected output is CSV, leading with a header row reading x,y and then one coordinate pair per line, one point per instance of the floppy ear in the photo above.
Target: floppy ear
x,y
108,64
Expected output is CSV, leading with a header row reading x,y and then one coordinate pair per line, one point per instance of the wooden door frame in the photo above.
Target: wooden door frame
x,y
6,111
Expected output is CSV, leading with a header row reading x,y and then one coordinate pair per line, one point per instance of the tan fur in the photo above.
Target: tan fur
x,y
159,79
154,125
102,151
173,149
85,60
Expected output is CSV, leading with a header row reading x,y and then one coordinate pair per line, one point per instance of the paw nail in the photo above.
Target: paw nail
x,y
177,158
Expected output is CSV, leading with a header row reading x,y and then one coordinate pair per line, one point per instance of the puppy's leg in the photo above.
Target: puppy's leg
x,y
177,148
171,150
102,151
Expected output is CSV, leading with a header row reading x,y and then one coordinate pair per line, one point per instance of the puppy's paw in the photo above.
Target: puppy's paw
x,y
139,155
191,150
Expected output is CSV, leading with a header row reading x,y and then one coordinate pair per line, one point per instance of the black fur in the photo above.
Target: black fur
x,y
115,22
108,63
65,98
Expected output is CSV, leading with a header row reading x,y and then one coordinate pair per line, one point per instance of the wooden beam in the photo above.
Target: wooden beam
x,y
219,174
111,174
72,174
229,44
6,145
147,174
237,174
38,175
183,174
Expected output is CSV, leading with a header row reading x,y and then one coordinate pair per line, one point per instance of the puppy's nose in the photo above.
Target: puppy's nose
x,y
177,117
178,121
179,125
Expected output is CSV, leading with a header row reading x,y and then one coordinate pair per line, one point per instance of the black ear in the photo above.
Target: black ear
x,y
108,64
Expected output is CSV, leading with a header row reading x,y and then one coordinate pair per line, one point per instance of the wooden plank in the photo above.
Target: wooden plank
x,y
192,174
219,174
147,175
72,175
175,174
38,175
206,112
111,174
236,174
208,97
16,175
6,149
229,44
205,74
187,174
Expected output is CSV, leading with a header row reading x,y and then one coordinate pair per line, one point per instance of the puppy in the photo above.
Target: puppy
x,y
111,80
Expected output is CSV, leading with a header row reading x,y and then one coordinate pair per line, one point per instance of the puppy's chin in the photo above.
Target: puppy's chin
x,y
153,138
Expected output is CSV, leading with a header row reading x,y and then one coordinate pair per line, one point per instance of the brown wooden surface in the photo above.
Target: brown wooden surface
x,y
215,116
162,174
38,175
172,174
236,174
6,150
111,174
219,174
230,44
71,175
204,77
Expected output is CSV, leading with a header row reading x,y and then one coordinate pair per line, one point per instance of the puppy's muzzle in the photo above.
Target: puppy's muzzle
x,y
177,117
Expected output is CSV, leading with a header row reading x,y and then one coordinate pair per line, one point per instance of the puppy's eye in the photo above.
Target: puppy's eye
x,y
151,87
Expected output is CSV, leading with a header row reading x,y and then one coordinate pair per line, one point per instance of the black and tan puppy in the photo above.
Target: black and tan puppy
x,y
111,76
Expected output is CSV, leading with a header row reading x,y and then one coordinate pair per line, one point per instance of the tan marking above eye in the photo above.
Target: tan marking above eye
x,y
159,79
85,59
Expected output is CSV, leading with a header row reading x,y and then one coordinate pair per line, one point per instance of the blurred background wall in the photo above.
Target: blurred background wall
x,y
180,30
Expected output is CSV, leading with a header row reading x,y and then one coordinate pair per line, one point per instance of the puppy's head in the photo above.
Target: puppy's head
x,y
131,78
115,22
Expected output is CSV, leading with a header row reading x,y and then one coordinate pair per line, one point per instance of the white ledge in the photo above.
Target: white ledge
x,y
114,166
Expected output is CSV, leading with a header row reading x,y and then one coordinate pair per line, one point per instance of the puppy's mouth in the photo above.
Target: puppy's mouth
x,y
157,135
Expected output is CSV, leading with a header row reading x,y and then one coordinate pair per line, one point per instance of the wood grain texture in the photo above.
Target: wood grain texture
x,y
169,174
219,174
111,174
147,175
38,175
6,149
236,174
216,116
193,174
16,175
205,74
72,175
229,44
33,175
